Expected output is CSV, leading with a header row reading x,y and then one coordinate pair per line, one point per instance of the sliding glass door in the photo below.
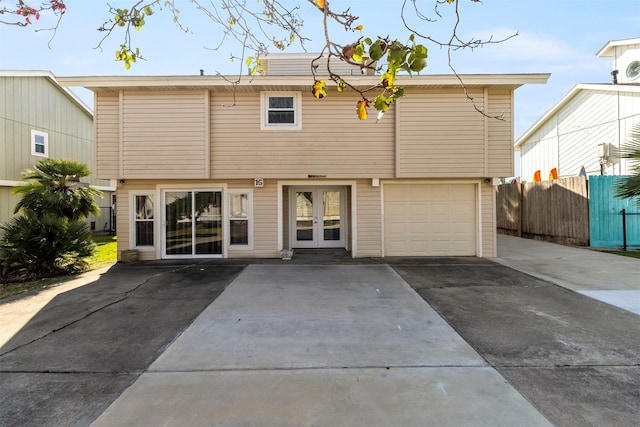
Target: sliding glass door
x,y
192,223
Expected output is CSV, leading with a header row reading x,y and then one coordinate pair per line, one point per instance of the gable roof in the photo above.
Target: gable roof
x,y
609,48
52,78
606,87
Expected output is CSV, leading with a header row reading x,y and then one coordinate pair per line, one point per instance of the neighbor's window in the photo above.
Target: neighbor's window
x,y
240,218
280,110
39,143
143,205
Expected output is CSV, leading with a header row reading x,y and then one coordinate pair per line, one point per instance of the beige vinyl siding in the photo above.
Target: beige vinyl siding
x,y
164,135
123,213
107,131
265,220
332,141
488,220
300,65
440,134
369,219
500,133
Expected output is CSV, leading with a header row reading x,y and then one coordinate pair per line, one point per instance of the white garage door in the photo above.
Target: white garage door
x,y
430,219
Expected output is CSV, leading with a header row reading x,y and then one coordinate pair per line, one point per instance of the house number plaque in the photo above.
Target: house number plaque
x,y
258,182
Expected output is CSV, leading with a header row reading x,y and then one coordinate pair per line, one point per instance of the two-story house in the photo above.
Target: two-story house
x,y
584,131
41,119
209,169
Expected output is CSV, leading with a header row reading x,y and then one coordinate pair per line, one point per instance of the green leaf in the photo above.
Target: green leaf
x,y
375,51
418,65
382,103
419,51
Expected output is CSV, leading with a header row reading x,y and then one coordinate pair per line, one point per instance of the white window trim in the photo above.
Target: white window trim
x,y
264,111
45,135
132,222
249,193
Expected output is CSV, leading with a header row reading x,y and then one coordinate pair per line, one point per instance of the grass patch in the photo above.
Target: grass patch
x,y
106,255
631,254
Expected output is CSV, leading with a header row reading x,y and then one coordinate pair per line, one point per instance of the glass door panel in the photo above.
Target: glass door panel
x,y
304,216
208,219
331,215
193,223
178,214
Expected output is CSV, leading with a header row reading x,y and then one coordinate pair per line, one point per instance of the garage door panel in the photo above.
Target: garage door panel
x,y
430,220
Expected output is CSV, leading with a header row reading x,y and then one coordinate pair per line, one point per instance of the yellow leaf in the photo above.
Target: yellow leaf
x,y
362,109
319,89
359,28
320,4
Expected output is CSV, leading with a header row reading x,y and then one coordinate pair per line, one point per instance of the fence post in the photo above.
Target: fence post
x,y
624,229
520,185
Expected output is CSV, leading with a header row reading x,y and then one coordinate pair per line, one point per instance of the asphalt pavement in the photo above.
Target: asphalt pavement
x,y
329,341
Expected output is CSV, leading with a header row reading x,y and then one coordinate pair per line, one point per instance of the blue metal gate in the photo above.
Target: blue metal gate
x,y
605,215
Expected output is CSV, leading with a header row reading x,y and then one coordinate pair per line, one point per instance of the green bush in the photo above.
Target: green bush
x,y
44,246
49,235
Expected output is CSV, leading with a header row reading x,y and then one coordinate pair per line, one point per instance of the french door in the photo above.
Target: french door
x,y
317,217
192,223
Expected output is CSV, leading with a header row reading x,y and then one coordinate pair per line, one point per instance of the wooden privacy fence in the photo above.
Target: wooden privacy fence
x,y
555,210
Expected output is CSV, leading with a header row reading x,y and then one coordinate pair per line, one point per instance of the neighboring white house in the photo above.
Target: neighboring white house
x,y
41,119
583,132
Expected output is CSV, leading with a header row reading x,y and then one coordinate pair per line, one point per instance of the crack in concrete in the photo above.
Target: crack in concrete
x,y
126,295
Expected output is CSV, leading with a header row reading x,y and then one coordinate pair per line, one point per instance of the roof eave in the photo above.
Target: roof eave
x,y
100,83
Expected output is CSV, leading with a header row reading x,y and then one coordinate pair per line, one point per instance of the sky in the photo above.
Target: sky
x,y
560,37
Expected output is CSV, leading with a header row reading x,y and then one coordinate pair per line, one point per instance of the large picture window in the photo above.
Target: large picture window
x,y
280,110
240,218
144,219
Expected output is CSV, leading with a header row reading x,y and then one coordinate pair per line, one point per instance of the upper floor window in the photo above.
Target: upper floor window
x,y
39,143
280,110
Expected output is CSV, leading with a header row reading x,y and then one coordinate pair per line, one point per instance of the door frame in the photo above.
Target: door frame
x,y
161,191
350,222
318,241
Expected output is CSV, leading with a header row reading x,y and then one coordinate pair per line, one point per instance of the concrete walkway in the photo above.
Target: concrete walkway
x,y
609,278
295,345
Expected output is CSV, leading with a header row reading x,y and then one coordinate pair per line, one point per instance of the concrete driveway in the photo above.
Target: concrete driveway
x,y
451,341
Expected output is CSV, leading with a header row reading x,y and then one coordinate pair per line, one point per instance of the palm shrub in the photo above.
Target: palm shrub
x,y
630,186
49,236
